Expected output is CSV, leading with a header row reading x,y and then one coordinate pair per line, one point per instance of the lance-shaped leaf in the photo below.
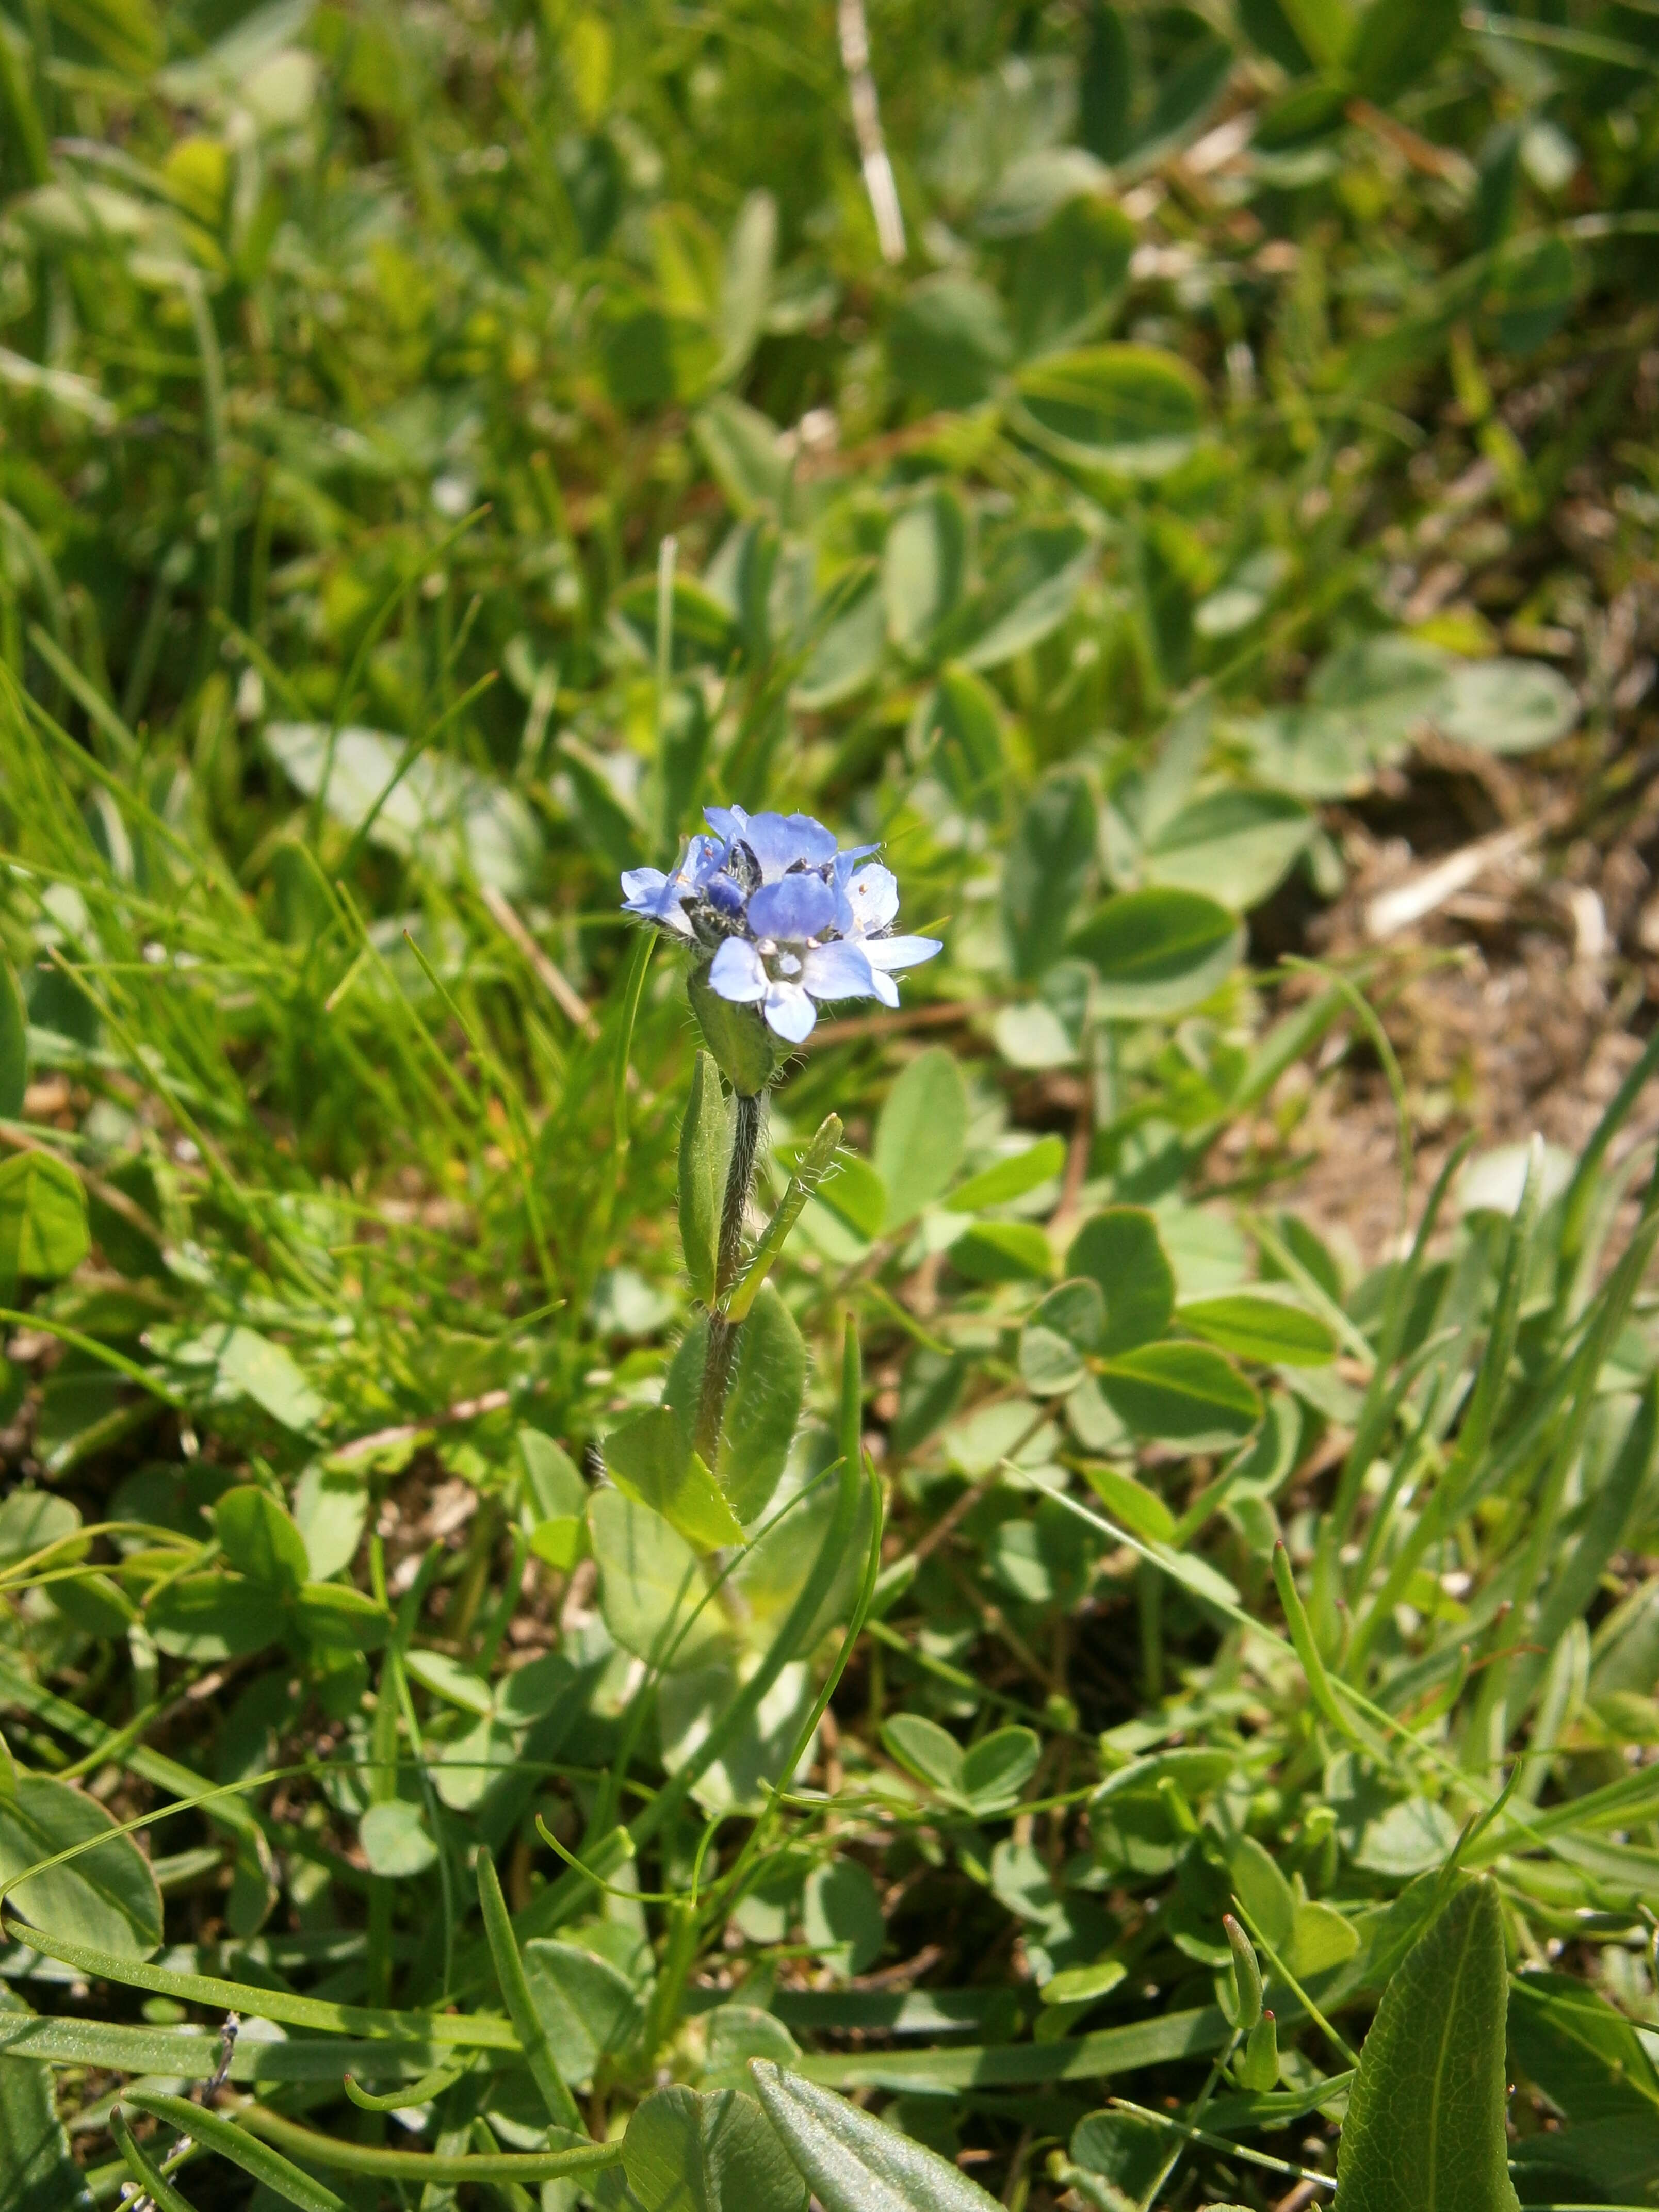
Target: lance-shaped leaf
x,y
767,1383
705,1150
854,2164
1425,2130
814,1165
649,1457
37,2173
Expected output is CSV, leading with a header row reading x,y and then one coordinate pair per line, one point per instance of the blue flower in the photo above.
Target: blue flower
x,y
791,921
657,897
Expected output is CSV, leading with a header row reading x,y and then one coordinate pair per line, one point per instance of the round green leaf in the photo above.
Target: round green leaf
x,y
686,2151
1158,951
106,1896
395,1841
1507,706
1181,1394
1141,1510
1129,408
43,1218
32,1519
851,643
336,1617
1033,574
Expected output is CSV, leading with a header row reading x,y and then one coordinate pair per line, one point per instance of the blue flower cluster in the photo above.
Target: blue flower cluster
x,y
788,919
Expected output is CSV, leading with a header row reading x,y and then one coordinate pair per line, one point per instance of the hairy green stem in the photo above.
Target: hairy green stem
x,y
722,1332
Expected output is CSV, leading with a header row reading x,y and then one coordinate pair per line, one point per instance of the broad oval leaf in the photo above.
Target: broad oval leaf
x,y
769,1380
650,1584
106,1896
1507,706
30,1520
395,1841
713,2151
1260,1325
43,1218
1032,578
1122,1251
947,340
1425,2127
925,1749
214,1616
1003,1252
997,1767
850,645
1063,1329
852,2162
1158,951
1010,1178
648,1458
961,727
40,2175
588,2008
1234,846
1049,865
920,1135
1142,1511
14,1046
922,568
260,1541
1131,408
841,1915
1183,1394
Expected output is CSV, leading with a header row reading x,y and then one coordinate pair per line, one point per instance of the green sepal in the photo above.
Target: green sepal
x,y
737,1035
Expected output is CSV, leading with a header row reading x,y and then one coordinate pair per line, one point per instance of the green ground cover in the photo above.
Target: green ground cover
x,y
1130,1705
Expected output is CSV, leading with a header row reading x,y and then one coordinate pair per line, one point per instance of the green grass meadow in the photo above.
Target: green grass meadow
x,y
1143,1701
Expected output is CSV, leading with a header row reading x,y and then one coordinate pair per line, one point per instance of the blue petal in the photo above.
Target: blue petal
x,y
790,1012
839,971
726,822
797,908
867,901
703,859
641,887
736,972
779,842
889,952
